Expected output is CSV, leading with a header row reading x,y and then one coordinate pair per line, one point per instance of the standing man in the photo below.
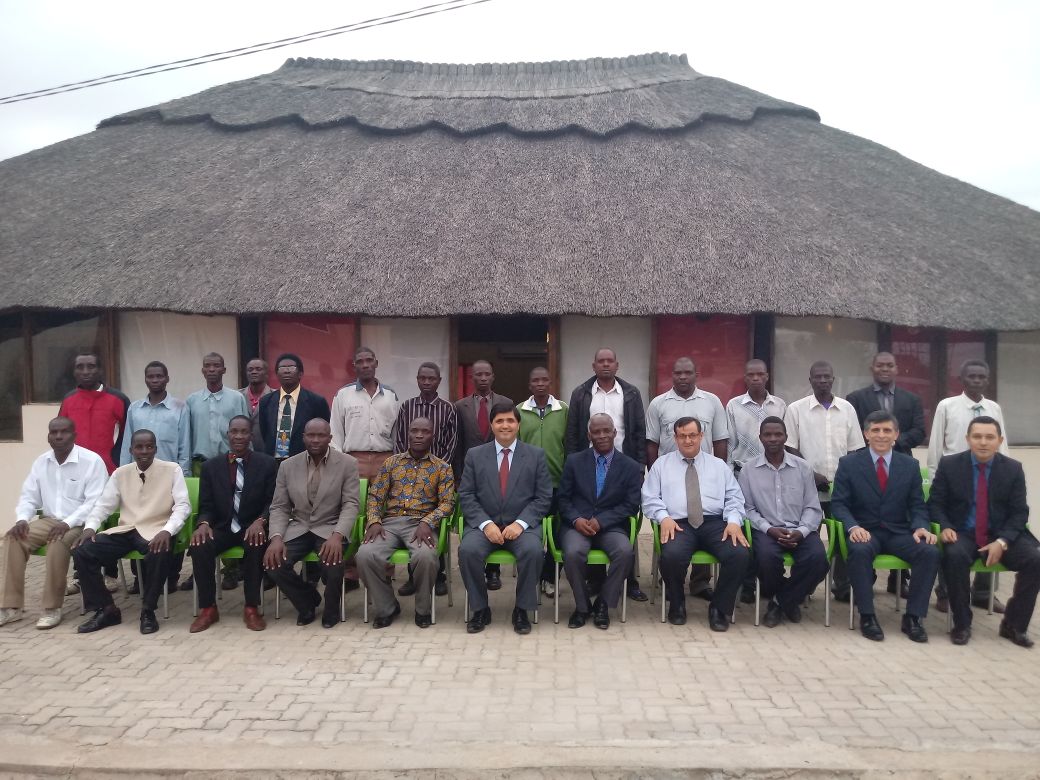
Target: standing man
x,y
284,415
879,499
256,376
363,416
210,410
781,502
314,509
745,413
978,498
505,492
685,399
63,484
694,499
235,493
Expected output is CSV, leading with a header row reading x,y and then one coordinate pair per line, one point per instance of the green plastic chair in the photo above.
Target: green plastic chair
x,y
926,482
595,557
883,562
788,563
698,557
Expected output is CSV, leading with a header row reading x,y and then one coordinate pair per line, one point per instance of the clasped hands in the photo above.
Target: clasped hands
x,y
498,535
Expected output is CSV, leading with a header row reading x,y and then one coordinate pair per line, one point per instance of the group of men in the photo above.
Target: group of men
x,y
279,478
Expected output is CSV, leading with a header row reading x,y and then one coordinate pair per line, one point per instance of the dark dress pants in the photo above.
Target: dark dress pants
x,y
204,561
105,550
808,571
676,554
527,548
1022,556
922,557
576,548
303,594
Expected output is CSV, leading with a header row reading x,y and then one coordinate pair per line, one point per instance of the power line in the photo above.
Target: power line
x,y
204,59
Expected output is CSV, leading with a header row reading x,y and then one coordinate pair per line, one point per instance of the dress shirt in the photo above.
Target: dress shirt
x,y
314,487
886,397
423,488
664,491
668,407
253,401
744,418
111,500
445,425
64,491
610,402
970,521
210,414
887,457
170,421
363,422
782,497
950,426
823,434
294,401
499,456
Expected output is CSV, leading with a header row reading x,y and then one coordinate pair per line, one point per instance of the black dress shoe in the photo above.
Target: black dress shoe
x,y
706,595
677,613
577,619
716,620
747,595
423,621
329,619
1020,638
385,620
521,624
349,584
408,589
494,580
774,615
870,628
635,592
998,605
960,636
601,615
229,582
135,587
149,625
793,613
102,618
912,628
188,584
842,595
269,582
305,618
440,588
479,619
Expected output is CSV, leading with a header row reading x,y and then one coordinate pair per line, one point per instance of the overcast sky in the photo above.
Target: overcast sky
x,y
953,85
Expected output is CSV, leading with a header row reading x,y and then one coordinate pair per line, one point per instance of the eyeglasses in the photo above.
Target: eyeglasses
x,y
688,436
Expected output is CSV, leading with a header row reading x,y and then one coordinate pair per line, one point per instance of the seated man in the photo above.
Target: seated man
x,y
64,483
235,492
407,502
599,491
781,501
152,499
978,497
695,500
314,509
506,490
879,500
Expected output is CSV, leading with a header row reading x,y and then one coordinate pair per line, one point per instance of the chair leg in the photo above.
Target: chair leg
x,y
624,601
216,579
447,570
664,600
758,596
433,603
994,583
899,587
343,601
277,603
195,602
852,606
827,599
465,607
122,575
364,609
653,577
556,594
261,598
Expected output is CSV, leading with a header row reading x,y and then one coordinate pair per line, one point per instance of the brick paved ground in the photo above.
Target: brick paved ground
x,y
643,695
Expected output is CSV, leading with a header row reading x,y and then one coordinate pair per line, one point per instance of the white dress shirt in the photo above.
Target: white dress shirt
x,y
664,491
950,426
823,435
64,491
610,402
498,459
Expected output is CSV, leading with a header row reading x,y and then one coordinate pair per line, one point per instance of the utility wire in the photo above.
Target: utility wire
x,y
204,59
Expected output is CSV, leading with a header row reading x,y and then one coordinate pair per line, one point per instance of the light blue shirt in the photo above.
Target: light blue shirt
x,y
498,458
210,414
887,457
664,490
169,421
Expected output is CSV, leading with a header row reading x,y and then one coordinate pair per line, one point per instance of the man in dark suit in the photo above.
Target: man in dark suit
x,y
506,490
878,498
283,415
978,498
599,491
235,493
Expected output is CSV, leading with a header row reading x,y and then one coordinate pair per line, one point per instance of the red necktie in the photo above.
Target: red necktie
x,y
882,474
503,471
982,508
482,418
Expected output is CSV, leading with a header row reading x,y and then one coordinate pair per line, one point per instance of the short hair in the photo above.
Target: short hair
x,y
256,358
772,420
364,351
247,418
429,364
613,354
537,368
62,419
878,417
290,356
601,414
973,362
213,355
142,432
747,365
503,407
485,361
682,422
157,364
88,352
685,359
821,364
985,419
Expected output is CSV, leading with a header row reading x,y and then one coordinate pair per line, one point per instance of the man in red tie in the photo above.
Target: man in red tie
x,y
978,498
879,499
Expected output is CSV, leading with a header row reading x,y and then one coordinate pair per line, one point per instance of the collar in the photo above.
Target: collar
x,y
419,399
609,456
72,458
887,457
529,405
164,402
596,389
971,404
324,459
697,393
747,399
975,461
699,457
879,389
417,460
218,395
358,387
760,460
814,402
295,395
499,448
138,469
245,458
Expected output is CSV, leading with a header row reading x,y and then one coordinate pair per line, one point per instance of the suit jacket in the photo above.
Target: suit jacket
x,y
953,494
528,492
619,499
335,507
308,406
906,408
469,433
217,491
578,415
857,498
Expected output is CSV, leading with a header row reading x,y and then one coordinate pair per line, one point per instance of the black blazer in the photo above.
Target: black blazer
x,y
217,491
619,499
953,493
309,406
577,438
906,408
857,498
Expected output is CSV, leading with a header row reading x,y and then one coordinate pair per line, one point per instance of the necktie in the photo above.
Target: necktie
x,y
976,410
982,508
240,481
886,401
482,418
882,474
313,481
694,508
601,473
281,444
503,472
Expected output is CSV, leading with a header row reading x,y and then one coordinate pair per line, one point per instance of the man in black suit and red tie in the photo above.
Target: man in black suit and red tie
x,y
879,499
978,498
599,491
235,492
284,414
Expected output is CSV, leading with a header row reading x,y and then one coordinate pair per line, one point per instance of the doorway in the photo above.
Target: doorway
x,y
514,344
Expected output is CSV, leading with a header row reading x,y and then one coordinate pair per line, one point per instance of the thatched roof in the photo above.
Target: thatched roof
x,y
630,186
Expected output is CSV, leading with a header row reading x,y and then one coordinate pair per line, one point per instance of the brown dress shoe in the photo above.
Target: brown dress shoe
x,y
253,619
207,617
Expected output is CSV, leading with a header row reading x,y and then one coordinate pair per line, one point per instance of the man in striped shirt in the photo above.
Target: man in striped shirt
x,y
746,413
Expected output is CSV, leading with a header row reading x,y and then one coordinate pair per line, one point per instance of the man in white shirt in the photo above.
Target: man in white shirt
x,y
63,484
363,416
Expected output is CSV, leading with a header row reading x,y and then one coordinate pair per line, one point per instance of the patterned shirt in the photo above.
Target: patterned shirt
x,y
745,419
410,487
445,425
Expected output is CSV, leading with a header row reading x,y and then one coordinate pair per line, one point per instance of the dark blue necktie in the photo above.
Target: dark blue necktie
x,y
601,473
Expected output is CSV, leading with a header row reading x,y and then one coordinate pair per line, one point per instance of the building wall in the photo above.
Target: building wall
x,y
798,342
629,337
1018,366
17,457
402,344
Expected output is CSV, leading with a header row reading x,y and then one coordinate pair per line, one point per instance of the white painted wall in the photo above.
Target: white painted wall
x,y
629,337
402,344
848,345
17,457
1018,366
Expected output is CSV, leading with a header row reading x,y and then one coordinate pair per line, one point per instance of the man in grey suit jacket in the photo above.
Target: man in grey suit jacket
x,y
506,490
315,507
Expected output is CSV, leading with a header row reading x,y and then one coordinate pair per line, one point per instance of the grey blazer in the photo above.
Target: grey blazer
x,y
528,492
335,507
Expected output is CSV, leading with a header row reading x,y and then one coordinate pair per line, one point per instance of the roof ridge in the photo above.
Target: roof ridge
x,y
592,64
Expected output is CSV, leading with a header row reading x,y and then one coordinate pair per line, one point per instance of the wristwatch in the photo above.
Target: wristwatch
x,y
1002,544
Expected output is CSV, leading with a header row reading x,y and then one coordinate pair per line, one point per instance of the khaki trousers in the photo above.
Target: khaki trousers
x,y
14,555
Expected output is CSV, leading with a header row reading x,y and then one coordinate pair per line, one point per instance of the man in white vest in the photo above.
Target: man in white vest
x,y
152,498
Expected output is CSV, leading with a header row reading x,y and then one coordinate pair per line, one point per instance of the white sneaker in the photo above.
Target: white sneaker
x,y
9,615
111,584
49,619
72,588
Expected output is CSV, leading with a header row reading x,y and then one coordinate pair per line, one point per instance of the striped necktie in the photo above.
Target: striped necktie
x,y
240,481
